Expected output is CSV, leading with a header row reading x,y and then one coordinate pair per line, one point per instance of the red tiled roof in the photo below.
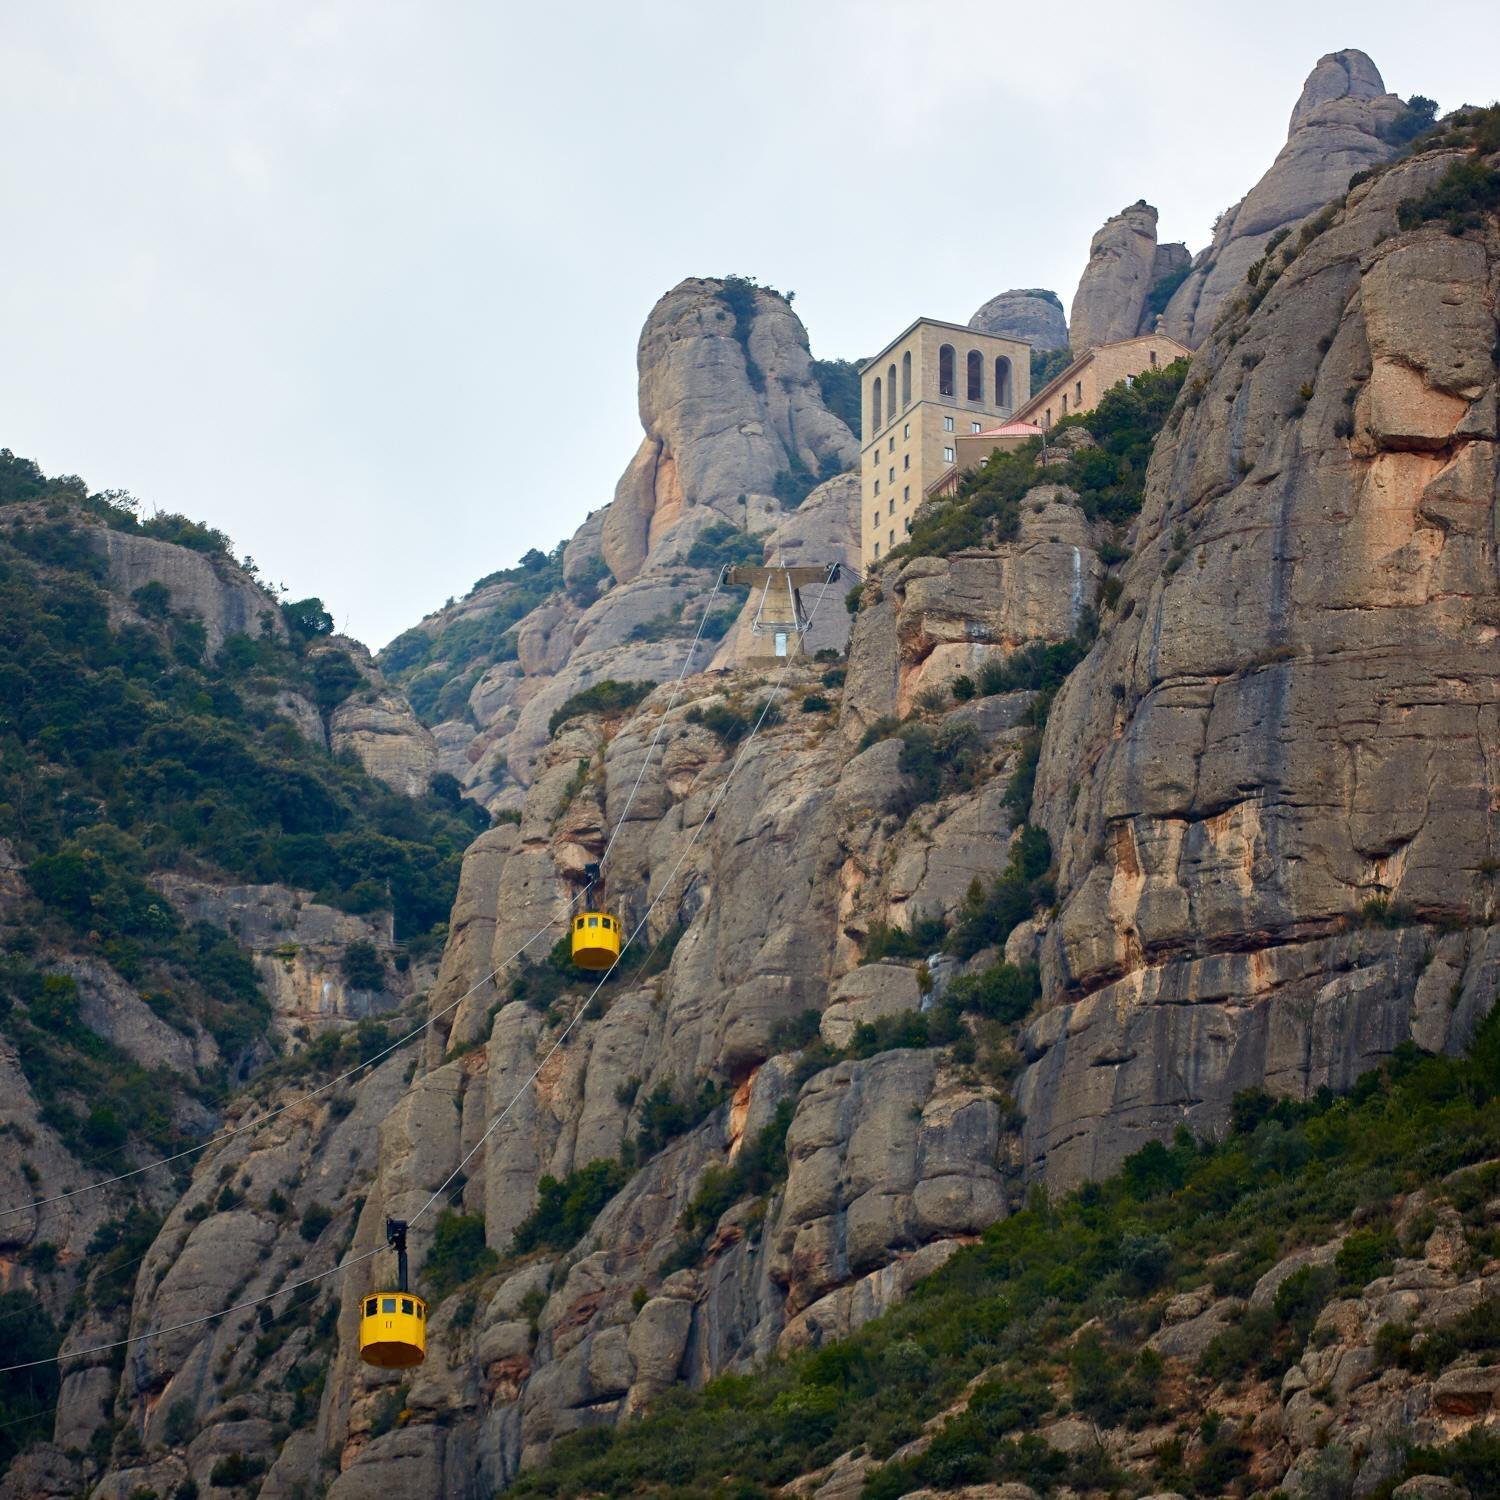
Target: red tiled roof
x,y
1010,429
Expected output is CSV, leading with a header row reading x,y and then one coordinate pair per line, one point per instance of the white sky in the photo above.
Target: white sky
x,y
360,282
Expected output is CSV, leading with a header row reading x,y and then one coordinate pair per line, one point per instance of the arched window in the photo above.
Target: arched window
x,y
1002,382
875,423
976,375
890,387
906,380
945,370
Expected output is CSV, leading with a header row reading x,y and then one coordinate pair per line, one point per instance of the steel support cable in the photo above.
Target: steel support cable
x,y
400,1042
720,792
317,1276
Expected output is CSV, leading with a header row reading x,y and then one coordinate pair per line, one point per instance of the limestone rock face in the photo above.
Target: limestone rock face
x,y
1288,721
392,744
1335,131
297,945
204,585
1113,288
1029,313
728,403
733,415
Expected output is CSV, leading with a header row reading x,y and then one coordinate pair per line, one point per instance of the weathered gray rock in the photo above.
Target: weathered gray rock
x,y
727,407
1214,858
1031,314
868,994
392,744
202,585
1121,269
1336,131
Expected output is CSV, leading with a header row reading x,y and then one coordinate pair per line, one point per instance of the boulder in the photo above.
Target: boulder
x,y
1031,314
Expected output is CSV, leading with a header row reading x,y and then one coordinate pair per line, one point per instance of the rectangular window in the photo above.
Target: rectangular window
x,y
1077,393
387,1304
947,424
877,486
947,455
370,1308
593,921
893,442
893,475
976,427
906,494
877,545
1153,359
875,519
781,643
905,461
408,1307
906,431
893,505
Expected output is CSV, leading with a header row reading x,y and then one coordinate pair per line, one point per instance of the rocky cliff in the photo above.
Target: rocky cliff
x,y
1089,822
1127,280
1268,787
1341,125
736,438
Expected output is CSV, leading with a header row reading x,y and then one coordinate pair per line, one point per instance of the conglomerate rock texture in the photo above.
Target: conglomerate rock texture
x,y
1271,787
1269,796
732,415
1336,130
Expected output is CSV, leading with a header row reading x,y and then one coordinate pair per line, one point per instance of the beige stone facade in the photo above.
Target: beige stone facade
x,y
1080,386
936,381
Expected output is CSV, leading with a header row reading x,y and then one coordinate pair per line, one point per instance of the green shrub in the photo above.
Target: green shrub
x,y
458,1253
988,917
315,1220
1462,197
924,936
606,697
816,703
363,967
729,724
564,1210
838,383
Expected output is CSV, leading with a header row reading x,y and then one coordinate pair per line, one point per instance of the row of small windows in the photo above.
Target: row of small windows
x,y
974,373
409,1305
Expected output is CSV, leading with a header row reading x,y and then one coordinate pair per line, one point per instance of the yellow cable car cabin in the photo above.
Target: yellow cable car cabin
x,y
393,1330
393,1325
596,940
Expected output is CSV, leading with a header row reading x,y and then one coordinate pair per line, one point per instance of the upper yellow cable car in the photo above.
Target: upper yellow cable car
x,y
596,934
393,1325
596,940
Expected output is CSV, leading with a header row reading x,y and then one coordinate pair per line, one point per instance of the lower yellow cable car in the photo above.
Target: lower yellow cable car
x,y
596,940
393,1325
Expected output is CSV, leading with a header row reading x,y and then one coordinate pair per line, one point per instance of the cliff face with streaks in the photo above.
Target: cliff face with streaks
x,y
1069,837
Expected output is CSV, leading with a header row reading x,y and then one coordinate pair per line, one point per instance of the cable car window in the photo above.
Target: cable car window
x,y
422,1312
387,1304
579,924
370,1308
593,921
407,1307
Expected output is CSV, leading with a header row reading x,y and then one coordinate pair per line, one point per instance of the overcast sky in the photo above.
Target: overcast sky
x,y
360,282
